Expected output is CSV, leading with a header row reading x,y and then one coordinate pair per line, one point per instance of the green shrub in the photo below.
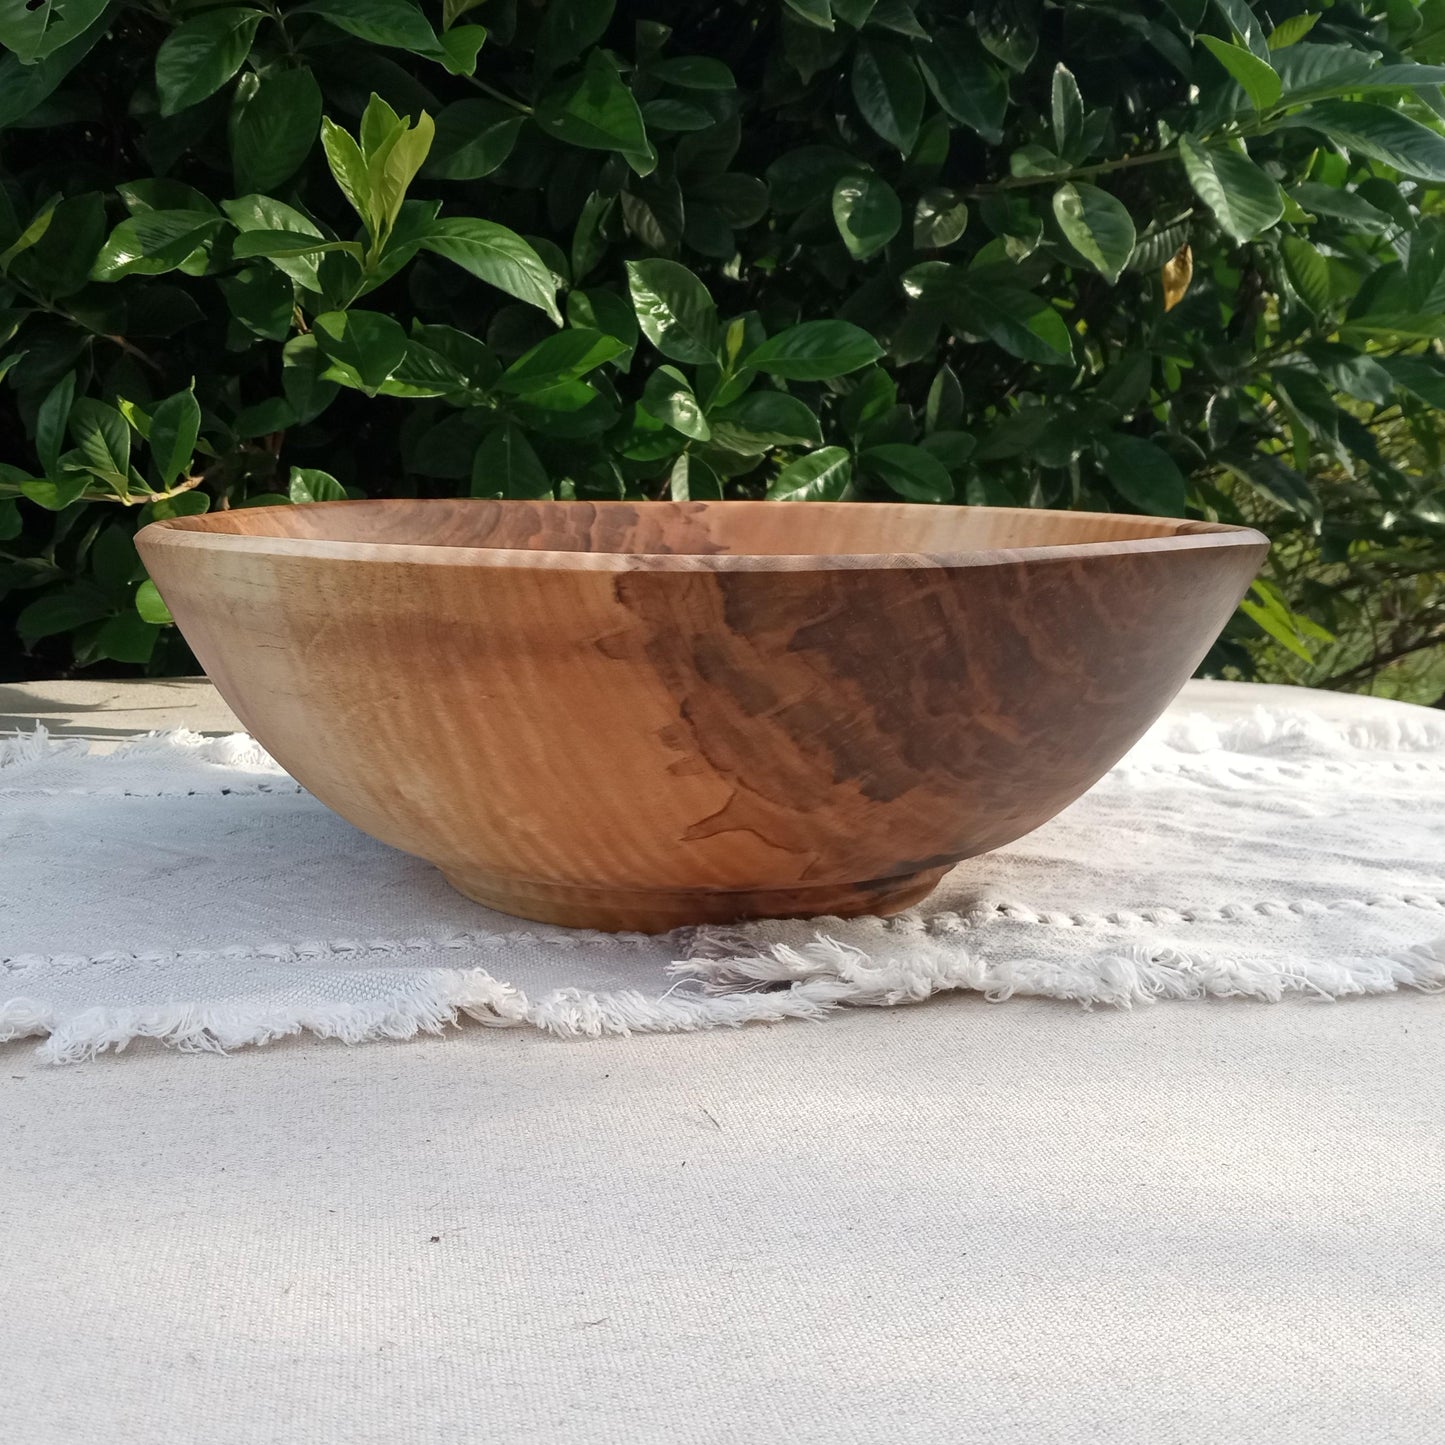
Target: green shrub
x,y
1126,255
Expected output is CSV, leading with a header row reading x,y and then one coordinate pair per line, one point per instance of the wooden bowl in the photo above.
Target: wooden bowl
x,y
640,715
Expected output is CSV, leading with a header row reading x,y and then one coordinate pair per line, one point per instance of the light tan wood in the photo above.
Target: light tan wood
x,y
638,716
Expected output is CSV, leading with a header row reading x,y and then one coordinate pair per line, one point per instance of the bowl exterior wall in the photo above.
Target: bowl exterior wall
x,y
698,730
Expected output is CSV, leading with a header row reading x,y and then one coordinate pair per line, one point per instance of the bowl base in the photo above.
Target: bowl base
x,y
613,910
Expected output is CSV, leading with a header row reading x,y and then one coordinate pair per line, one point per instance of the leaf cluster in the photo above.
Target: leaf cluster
x,y
1171,256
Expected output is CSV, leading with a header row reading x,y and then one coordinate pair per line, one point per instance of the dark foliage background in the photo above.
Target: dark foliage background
x,y
1167,257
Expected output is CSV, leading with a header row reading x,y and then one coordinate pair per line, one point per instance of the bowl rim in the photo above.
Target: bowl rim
x,y
192,532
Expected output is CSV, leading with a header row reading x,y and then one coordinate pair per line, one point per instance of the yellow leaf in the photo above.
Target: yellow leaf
x,y
1178,272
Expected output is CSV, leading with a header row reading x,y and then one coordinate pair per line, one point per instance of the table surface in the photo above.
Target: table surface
x,y
1012,1224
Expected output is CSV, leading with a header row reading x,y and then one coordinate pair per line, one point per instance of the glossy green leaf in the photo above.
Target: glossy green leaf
x,y
761,420
867,212
889,91
286,245
151,242
364,347
302,366
940,217
1256,77
102,438
1239,16
275,121
459,48
175,425
126,637
944,407
1418,376
1342,205
32,233
606,311
1380,133
1009,29
497,256
396,23
1097,226
1276,621
692,480
36,30
815,12
453,10
55,494
1018,321
348,167
668,396
59,262
183,504
1067,110
201,54
473,138
1145,475
674,309
307,484
1291,31
567,356
911,471
393,166
1308,272
151,605
255,213
815,351
506,465
964,81
597,111
50,423
61,612
694,72
569,27
821,476
1245,201
1309,72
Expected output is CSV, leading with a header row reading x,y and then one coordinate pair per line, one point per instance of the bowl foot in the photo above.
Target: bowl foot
x,y
622,911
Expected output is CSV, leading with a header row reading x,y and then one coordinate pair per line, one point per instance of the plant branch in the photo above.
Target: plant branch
x,y
1372,665
1014,183
499,95
1101,168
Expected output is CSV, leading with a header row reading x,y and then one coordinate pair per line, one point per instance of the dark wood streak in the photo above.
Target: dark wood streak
x,y
642,715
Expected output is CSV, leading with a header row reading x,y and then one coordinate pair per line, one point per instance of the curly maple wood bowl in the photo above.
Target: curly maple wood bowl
x,y
637,716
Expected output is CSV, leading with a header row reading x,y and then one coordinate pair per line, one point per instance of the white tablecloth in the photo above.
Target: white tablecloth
x,y
1022,1224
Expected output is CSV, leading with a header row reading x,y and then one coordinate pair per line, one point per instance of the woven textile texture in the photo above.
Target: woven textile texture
x,y
187,890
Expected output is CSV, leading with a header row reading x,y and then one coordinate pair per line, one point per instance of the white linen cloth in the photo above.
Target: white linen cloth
x,y
1017,1225
185,889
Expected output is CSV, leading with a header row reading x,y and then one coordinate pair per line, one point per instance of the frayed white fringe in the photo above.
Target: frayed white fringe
x,y
1131,976
434,1003
738,987
782,983
179,761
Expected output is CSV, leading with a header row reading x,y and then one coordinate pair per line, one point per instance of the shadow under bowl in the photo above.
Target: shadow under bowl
x,y
644,715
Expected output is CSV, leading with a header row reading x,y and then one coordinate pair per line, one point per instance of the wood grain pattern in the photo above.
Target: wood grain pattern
x,y
638,716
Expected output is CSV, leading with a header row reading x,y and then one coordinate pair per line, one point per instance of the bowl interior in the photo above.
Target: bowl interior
x,y
688,528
